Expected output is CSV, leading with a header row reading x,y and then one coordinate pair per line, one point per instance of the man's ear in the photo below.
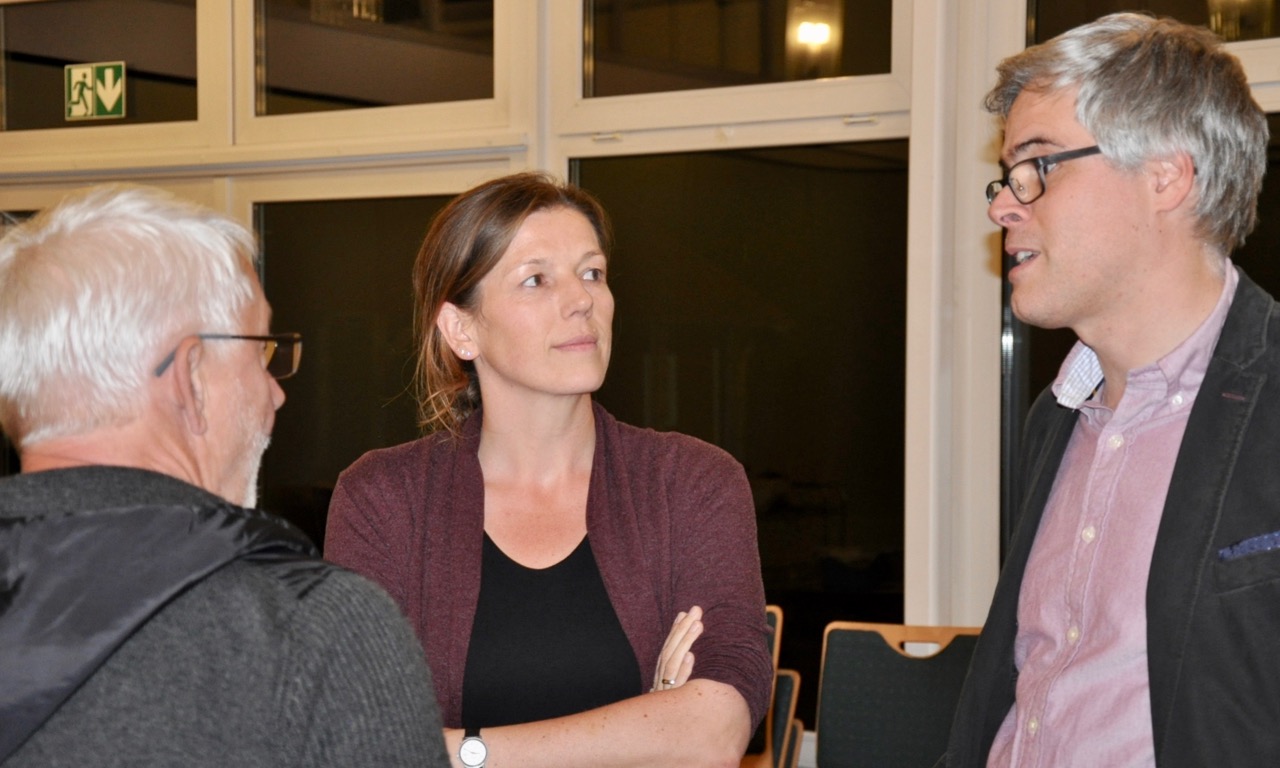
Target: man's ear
x,y
189,385
454,324
1174,178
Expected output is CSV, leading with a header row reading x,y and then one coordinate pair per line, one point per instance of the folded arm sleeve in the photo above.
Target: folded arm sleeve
x,y
717,562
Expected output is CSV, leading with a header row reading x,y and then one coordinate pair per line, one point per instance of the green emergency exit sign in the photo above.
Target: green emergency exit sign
x,y
95,91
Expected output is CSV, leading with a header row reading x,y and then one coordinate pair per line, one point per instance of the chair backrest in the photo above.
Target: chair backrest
x,y
759,744
786,689
880,706
773,615
791,753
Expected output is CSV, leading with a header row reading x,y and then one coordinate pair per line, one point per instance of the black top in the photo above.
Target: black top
x,y
545,643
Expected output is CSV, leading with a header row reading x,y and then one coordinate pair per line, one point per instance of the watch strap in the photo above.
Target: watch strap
x,y
469,735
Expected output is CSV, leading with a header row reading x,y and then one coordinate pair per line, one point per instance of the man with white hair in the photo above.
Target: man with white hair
x,y
149,615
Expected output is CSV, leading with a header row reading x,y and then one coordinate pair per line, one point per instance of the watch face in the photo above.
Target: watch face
x,y
472,752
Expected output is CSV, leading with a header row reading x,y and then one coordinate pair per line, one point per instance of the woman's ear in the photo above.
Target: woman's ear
x,y
454,324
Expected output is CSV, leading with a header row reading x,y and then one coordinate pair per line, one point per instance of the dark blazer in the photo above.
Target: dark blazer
x,y
1213,595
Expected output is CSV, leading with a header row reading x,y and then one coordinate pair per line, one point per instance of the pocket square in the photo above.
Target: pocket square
x,y
1250,546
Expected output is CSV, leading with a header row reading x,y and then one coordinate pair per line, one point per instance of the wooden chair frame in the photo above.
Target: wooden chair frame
x,y
896,636
765,758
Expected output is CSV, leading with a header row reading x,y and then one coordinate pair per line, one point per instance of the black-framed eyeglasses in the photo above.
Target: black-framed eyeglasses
x,y
1026,178
281,352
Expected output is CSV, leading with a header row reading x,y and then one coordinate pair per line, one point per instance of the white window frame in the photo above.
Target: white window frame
x,y
573,114
174,145
1261,59
506,120
365,183
33,197
776,114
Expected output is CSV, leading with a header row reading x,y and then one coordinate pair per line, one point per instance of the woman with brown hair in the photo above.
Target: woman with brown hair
x,y
587,592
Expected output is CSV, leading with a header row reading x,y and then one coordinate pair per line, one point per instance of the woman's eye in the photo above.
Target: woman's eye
x,y
594,274
532,281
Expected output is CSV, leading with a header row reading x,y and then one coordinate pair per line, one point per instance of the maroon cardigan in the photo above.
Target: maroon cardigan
x,y
671,524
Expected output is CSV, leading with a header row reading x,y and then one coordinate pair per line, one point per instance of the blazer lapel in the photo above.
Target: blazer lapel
x,y
1193,506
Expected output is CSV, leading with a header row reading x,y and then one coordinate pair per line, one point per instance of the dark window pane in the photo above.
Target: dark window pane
x,y
319,55
8,456
1232,19
338,272
647,46
1258,256
41,39
761,305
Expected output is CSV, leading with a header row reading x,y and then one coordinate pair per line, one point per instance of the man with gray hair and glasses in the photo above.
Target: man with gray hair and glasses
x,y
149,615
1137,617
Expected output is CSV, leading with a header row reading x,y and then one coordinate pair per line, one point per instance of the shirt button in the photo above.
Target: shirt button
x,y
1089,534
1073,634
1033,725
1177,399
1115,441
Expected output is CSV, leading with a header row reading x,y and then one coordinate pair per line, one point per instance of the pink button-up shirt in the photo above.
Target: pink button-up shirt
x,y
1083,694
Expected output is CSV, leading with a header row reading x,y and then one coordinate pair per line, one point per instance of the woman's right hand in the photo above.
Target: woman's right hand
x,y
675,662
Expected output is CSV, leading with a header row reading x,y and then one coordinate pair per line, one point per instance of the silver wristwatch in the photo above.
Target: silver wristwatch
x,y
473,751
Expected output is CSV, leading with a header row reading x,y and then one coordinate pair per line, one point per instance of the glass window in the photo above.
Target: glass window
x,y
319,55
50,50
761,306
647,46
1232,19
338,272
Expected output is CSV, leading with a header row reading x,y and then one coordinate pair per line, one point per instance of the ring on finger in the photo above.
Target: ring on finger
x,y
665,681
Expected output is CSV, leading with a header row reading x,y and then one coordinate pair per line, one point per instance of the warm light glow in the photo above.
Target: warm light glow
x,y
814,33
1241,19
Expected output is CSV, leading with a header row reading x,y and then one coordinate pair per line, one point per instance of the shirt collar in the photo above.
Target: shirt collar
x,y
1081,372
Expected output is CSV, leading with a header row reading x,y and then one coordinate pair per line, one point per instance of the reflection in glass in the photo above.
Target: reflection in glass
x,y
156,40
813,39
1240,19
761,306
648,46
1231,19
319,55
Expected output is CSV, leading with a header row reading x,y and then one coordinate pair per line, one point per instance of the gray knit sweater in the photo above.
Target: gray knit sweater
x,y
278,663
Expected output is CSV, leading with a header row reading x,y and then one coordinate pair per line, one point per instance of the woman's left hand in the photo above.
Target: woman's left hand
x,y
675,662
